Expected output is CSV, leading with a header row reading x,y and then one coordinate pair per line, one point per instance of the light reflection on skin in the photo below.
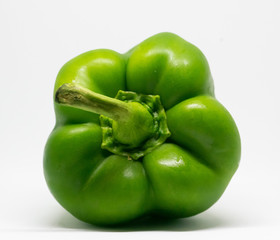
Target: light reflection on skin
x,y
196,106
83,74
177,161
128,173
101,61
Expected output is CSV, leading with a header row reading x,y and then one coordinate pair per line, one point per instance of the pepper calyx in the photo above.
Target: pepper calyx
x,y
160,129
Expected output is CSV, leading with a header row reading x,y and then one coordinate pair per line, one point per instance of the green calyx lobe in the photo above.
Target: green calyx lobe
x,y
132,124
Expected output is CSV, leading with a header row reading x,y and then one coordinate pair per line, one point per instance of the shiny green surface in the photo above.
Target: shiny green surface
x,y
182,177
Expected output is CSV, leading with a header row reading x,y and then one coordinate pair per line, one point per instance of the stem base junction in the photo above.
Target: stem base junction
x,y
160,133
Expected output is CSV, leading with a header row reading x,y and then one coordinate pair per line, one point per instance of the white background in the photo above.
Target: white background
x,y
241,42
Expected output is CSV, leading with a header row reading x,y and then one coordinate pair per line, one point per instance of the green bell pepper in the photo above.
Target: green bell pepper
x,y
163,147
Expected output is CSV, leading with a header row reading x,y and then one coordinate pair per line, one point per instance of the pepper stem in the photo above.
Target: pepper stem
x,y
132,122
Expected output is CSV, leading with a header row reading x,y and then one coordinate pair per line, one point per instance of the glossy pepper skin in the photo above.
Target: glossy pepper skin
x,y
183,176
